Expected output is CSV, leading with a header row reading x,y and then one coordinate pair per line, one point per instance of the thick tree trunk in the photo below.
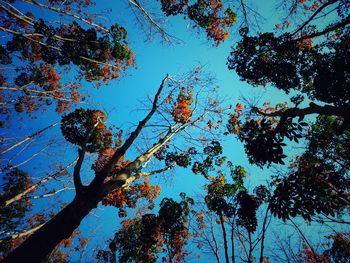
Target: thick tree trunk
x,y
60,227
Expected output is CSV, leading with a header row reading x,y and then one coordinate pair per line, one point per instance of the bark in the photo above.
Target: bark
x,y
60,227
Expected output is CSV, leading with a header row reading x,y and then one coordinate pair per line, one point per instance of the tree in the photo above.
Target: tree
x,y
228,203
36,52
87,129
318,69
141,239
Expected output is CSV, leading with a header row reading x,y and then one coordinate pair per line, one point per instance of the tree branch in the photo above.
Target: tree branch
x,y
23,233
98,180
27,138
61,11
328,29
341,111
165,35
313,16
31,188
52,193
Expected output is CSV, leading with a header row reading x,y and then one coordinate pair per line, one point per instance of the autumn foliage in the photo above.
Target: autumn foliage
x,y
182,111
210,15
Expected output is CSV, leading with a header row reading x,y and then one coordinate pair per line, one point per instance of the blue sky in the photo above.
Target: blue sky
x,y
121,99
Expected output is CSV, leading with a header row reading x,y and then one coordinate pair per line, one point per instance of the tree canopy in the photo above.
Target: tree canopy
x,y
57,58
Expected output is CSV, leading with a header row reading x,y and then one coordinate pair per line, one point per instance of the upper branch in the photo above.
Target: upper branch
x,y
65,12
129,141
314,15
328,29
341,111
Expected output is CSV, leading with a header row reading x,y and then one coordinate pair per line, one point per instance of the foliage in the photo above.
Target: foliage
x,y
36,52
210,15
316,184
339,252
247,211
85,128
12,216
15,181
141,239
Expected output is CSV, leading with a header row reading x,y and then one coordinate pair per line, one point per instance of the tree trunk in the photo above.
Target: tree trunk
x,y
60,227
263,236
233,241
225,238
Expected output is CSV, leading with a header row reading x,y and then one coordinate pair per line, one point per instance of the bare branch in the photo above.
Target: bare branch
x,y
165,35
28,138
314,15
11,167
32,187
52,193
61,11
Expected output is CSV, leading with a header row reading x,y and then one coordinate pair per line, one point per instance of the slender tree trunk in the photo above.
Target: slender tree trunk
x,y
263,236
60,227
225,238
250,254
233,241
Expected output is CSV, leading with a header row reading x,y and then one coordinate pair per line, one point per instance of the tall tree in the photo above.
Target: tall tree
x,y
186,107
312,62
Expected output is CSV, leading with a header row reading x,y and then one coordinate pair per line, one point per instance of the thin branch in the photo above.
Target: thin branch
x,y
28,138
32,187
25,161
305,239
23,233
328,29
61,11
313,16
52,193
165,35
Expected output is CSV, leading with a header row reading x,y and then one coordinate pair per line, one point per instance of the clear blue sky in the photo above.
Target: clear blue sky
x,y
122,98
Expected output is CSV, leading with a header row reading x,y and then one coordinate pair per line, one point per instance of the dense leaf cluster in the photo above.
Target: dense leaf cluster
x,y
15,181
246,212
264,141
316,183
141,239
207,14
84,128
321,71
